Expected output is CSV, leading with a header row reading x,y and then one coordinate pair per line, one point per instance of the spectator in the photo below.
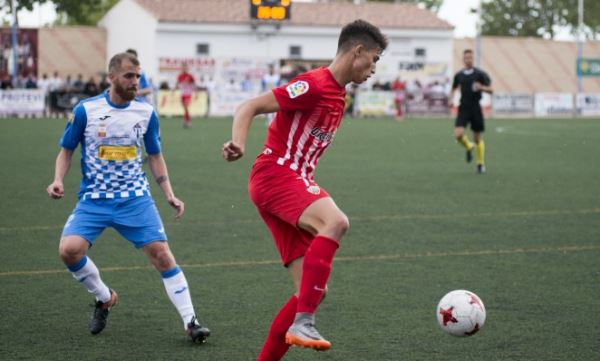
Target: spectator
x,y
78,84
104,84
246,84
56,83
67,86
20,83
164,85
90,88
44,83
377,85
30,82
6,82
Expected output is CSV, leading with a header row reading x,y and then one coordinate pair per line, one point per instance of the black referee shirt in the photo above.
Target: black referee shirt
x,y
465,78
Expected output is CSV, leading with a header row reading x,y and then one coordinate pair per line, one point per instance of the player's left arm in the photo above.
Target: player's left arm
x,y
485,84
158,166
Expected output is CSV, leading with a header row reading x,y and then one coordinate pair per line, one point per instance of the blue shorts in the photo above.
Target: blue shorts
x,y
135,218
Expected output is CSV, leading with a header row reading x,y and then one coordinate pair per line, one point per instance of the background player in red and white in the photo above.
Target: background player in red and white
x,y
305,222
186,85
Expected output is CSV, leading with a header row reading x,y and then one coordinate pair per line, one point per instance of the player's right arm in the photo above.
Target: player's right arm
x,y
455,84
266,103
56,189
71,137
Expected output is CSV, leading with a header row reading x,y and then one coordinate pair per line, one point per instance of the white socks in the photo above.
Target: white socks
x,y
179,293
86,272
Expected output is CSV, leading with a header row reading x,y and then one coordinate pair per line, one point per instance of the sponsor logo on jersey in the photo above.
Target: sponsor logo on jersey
x,y
322,135
297,88
104,117
314,190
115,153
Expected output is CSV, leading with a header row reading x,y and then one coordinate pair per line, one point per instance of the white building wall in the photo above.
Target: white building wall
x,y
128,25
317,43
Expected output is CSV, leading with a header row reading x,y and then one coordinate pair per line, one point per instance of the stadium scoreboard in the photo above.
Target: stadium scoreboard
x,y
270,10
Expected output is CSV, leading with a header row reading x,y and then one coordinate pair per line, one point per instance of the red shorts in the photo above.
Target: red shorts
x,y
186,100
281,195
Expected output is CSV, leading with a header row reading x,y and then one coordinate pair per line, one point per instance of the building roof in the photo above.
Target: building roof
x,y
330,13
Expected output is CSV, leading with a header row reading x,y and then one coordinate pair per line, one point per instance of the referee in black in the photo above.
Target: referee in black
x,y
472,81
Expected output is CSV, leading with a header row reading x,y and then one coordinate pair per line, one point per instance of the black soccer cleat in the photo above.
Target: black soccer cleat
x,y
196,331
480,169
100,315
470,154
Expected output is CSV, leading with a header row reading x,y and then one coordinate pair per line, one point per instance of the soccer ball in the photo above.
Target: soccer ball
x,y
461,313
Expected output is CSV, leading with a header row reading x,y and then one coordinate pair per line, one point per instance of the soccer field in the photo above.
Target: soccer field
x,y
525,237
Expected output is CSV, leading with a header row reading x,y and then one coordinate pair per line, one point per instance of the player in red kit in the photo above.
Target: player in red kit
x,y
305,222
186,84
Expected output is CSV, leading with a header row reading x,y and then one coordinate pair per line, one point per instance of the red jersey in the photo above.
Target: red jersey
x,y
186,84
311,110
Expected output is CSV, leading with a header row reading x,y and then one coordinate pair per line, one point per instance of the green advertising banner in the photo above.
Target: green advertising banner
x,y
588,67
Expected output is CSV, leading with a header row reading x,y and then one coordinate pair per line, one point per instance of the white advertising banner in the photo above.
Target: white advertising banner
x,y
224,102
512,103
553,104
16,102
588,104
375,103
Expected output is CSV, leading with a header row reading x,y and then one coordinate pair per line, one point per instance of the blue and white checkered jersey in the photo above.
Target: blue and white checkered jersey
x,y
111,138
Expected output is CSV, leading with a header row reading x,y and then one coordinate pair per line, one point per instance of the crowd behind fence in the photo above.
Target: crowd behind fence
x,y
54,96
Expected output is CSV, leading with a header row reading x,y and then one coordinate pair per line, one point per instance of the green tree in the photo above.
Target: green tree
x,y
82,12
71,12
537,18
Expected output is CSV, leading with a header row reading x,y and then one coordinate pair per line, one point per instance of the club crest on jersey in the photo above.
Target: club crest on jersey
x,y
314,190
102,131
297,88
138,130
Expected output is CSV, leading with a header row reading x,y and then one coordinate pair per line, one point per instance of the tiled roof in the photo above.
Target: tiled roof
x,y
330,13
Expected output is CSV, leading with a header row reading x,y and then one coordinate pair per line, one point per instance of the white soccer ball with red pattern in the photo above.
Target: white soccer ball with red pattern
x,y
461,313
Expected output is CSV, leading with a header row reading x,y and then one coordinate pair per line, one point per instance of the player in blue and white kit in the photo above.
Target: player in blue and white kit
x,y
112,128
145,88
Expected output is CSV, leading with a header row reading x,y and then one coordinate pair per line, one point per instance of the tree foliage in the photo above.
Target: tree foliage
x,y
538,18
82,12
71,12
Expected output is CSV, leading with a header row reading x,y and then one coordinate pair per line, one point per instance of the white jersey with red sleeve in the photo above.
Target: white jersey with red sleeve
x,y
311,110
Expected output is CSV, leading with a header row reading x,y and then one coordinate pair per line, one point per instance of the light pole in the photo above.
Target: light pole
x,y
14,42
579,44
478,36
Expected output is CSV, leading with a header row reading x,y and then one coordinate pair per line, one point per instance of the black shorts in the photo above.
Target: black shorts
x,y
470,115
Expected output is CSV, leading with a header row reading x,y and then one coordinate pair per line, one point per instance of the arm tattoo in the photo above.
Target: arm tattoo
x,y
161,179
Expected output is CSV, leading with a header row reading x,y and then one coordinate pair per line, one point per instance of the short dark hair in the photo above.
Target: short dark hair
x,y
361,32
467,51
131,51
115,62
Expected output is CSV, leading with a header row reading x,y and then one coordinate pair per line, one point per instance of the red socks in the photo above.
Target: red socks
x,y
275,347
316,268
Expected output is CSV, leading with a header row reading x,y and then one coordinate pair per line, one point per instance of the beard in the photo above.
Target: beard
x,y
125,94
